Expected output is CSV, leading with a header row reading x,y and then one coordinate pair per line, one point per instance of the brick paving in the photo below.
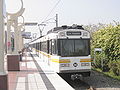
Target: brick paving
x,y
35,75
25,78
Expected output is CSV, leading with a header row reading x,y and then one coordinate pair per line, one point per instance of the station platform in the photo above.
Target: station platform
x,y
34,74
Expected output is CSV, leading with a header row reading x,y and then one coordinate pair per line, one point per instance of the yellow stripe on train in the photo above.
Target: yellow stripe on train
x,y
61,60
47,55
85,60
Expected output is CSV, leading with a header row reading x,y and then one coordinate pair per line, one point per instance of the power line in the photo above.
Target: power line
x,y
45,20
52,10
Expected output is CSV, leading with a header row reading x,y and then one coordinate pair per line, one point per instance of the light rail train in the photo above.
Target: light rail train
x,y
66,49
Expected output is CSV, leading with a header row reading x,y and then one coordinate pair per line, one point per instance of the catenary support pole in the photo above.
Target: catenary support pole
x,y
56,20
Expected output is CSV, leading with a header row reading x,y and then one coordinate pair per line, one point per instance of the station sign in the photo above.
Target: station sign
x,y
26,35
98,49
70,33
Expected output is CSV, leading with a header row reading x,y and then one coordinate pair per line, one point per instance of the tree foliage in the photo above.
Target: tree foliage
x,y
108,38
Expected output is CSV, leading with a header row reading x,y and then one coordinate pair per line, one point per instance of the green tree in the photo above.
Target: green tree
x,y
108,38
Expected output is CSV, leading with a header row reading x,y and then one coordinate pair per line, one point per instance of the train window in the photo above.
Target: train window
x,y
44,46
54,47
59,47
40,46
82,47
72,47
47,46
50,47
34,45
37,46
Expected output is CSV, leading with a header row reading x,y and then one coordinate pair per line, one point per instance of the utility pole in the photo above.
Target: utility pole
x,y
56,20
47,21
40,30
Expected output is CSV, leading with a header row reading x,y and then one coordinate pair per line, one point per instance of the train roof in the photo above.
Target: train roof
x,y
57,29
53,32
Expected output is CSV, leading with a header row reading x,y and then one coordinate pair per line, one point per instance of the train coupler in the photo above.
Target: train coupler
x,y
76,76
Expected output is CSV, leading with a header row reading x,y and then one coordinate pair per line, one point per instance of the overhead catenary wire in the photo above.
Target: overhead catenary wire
x,y
51,11
45,20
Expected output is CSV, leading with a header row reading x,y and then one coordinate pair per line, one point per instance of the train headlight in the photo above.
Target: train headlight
x,y
64,65
85,64
62,34
85,34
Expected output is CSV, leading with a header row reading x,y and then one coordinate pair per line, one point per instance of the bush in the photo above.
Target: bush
x,y
101,62
107,38
115,67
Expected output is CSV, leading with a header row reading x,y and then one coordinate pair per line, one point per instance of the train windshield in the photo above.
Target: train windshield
x,y
74,47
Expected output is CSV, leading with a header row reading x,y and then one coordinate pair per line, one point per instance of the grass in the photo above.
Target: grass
x,y
109,74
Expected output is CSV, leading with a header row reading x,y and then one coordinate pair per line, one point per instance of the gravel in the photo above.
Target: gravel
x,y
102,82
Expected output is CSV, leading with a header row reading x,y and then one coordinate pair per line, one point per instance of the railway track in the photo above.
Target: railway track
x,y
96,81
77,84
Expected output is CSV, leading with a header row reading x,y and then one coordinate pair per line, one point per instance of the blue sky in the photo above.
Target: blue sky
x,y
69,11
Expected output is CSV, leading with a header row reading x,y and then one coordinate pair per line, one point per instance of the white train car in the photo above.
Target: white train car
x,y
66,49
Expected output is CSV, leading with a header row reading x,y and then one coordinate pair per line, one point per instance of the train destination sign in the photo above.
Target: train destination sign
x,y
73,33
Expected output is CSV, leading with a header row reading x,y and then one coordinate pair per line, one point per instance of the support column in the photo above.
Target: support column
x,y
22,44
3,74
13,59
20,38
9,51
19,47
16,36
